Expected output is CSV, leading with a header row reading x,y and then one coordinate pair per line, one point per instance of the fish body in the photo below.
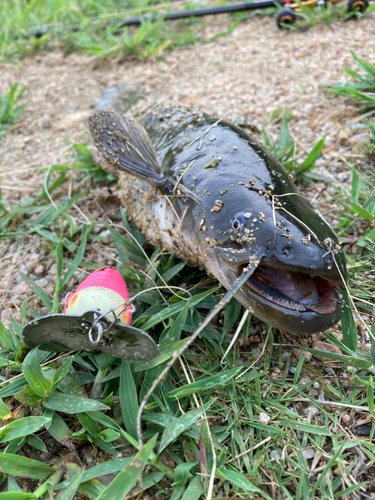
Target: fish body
x,y
210,193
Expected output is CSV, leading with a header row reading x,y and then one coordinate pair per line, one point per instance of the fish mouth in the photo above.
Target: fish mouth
x,y
293,290
286,296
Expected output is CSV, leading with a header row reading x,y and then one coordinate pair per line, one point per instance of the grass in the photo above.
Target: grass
x,y
358,87
9,111
81,26
268,423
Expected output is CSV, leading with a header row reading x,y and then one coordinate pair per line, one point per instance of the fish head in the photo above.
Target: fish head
x,y
297,284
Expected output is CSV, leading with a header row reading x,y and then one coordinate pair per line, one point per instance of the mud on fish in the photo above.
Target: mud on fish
x,y
213,195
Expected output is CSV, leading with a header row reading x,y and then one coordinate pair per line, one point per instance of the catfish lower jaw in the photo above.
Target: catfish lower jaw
x,y
291,301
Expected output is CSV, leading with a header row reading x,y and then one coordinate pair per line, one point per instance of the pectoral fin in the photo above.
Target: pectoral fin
x,y
125,144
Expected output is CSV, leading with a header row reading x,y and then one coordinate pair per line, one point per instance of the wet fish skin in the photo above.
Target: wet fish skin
x,y
215,197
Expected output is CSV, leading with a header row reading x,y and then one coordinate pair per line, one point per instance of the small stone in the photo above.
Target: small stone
x,y
285,356
53,270
5,313
264,418
343,136
311,409
358,139
39,270
43,282
20,289
309,453
300,352
325,346
254,338
275,455
345,419
106,235
304,380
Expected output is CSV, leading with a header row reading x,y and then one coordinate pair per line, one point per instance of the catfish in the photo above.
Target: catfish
x,y
210,193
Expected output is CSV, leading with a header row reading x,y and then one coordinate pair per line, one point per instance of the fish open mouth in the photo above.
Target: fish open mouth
x,y
294,290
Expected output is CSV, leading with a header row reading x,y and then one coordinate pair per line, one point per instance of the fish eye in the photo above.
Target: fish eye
x,y
238,221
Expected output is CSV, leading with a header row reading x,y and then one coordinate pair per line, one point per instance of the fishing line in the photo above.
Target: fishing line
x,y
125,305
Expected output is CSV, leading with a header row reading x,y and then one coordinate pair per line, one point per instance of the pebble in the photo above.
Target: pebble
x,y
300,352
20,289
343,136
254,338
264,418
275,455
304,380
5,313
309,453
39,270
106,235
42,282
345,419
285,356
311,409
325,346
53,270
23,269
358,139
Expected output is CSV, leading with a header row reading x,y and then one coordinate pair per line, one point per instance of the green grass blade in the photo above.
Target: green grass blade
x,y
22,427
39,292
73,404
128,477
70,491
128,399
34,374
16,495
206,383
195,489
314,154
23,466
181,424
349,330
175,308
239,480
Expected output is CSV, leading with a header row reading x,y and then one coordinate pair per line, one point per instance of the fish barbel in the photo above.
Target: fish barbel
x,y
210,193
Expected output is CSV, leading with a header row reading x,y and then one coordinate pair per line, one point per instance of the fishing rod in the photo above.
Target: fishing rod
x,y
207,11
183,14
285,16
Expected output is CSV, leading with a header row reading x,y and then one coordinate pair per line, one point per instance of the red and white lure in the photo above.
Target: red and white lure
x,y
95,317
106,289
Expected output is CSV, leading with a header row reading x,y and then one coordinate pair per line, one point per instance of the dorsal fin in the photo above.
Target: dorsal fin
x,y
126,145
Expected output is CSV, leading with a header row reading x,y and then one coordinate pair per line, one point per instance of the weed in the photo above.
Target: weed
x,y
9,111
362,89
84,28
284,148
